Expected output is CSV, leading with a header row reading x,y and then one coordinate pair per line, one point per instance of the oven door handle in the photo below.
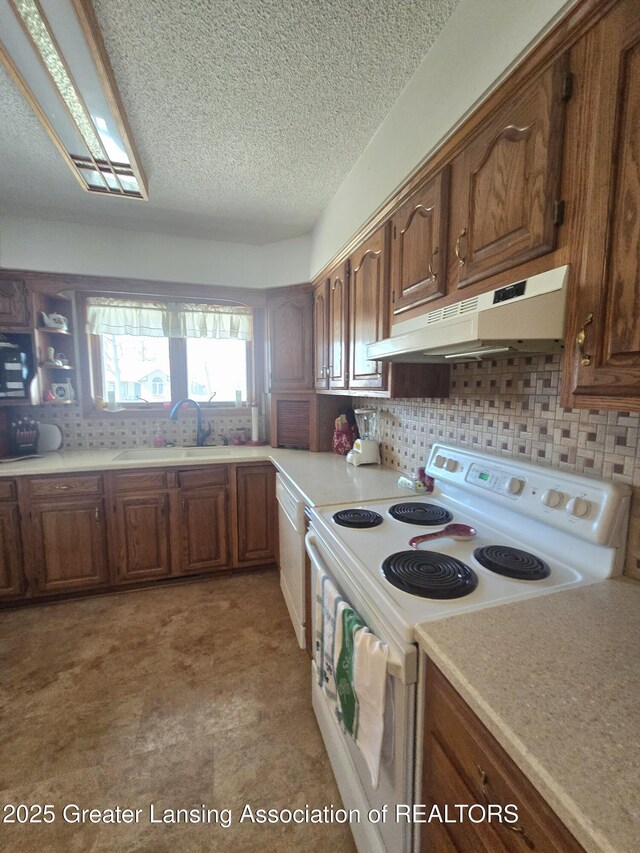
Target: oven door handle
x,y
394,665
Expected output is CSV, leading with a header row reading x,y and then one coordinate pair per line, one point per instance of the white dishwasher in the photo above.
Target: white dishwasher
x,y
291,522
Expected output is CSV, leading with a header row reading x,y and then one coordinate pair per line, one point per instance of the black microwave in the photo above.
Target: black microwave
x,y
16,370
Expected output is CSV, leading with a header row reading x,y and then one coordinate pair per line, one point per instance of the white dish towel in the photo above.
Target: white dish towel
x,y
370,681
327,600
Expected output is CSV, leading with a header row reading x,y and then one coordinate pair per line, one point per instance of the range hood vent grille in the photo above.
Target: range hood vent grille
x,y
526,316
458,309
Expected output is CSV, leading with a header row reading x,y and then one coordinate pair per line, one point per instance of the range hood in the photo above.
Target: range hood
x,y
524,317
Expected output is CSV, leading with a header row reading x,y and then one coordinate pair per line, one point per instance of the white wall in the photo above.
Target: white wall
x,y
479,42
53,246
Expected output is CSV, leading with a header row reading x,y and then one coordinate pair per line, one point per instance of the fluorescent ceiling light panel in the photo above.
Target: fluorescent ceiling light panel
x,y
54,51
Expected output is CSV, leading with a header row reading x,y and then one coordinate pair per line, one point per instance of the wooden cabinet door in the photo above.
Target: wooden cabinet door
x,y
369,310
14,312
464,764
291,340
320,336
11,566
142,537
419,245
67,546
257,519
204,530
511,181
338,332
603,328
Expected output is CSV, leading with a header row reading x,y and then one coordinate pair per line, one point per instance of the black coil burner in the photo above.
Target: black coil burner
x,y
359,518
512,563
429,574
423,514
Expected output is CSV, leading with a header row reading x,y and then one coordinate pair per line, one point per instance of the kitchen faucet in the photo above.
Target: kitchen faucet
x,y
201,434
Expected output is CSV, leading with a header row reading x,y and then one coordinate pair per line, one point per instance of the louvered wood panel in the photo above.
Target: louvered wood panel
x,y
293,423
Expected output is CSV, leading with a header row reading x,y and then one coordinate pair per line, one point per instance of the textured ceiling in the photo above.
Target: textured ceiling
x,y
247,115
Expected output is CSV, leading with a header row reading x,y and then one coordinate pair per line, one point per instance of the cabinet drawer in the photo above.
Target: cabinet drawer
x,y
7,490
91,484
140,481
214,475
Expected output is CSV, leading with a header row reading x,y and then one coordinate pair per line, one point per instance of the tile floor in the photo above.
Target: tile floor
x,y
177,697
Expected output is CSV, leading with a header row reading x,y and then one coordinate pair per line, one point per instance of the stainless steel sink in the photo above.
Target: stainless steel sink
x,y
148,454
204,452
141,454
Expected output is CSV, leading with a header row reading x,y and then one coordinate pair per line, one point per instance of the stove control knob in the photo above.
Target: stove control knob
x,y
578,507
439,461
552,498
451,465
515,485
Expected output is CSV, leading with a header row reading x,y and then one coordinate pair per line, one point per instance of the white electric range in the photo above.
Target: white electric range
x,y
537,530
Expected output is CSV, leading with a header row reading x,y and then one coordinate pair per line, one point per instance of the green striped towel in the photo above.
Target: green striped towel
x,y
347,623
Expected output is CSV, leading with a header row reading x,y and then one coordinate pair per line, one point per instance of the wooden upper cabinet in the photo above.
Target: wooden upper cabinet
x,y
507,195
369,310
603,363
67,546
419,244
320,335
14,311
338,327
290,339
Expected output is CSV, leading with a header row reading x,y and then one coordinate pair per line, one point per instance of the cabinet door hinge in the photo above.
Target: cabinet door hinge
x,y
393,297
394,232
558,212
348,269
567,86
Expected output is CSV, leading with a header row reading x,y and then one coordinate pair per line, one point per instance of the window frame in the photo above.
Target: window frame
x,y
90,377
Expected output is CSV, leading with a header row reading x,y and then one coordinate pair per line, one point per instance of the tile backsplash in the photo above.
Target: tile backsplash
x,y
80,433
511,407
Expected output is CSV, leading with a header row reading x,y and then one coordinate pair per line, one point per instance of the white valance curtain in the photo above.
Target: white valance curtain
x,y
108,316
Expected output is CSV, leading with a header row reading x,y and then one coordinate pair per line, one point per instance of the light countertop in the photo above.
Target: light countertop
x,y
321,478
556,679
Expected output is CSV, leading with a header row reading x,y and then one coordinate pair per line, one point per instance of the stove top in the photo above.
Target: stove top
x,y
371,550
539,530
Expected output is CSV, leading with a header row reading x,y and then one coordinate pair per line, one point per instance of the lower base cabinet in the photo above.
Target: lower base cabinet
x,y
102,531
204,539
257,516
464,764
141,545
66,550
11,577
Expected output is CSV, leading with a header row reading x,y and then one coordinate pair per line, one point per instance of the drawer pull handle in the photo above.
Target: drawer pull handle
x,y
62,488
483,776
433,273
461,260
521,832
585,360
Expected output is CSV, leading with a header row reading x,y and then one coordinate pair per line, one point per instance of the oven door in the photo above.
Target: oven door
x,y
349,767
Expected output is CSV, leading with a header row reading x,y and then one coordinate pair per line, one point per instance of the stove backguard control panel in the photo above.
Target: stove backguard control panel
x,y
495,480
595,510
